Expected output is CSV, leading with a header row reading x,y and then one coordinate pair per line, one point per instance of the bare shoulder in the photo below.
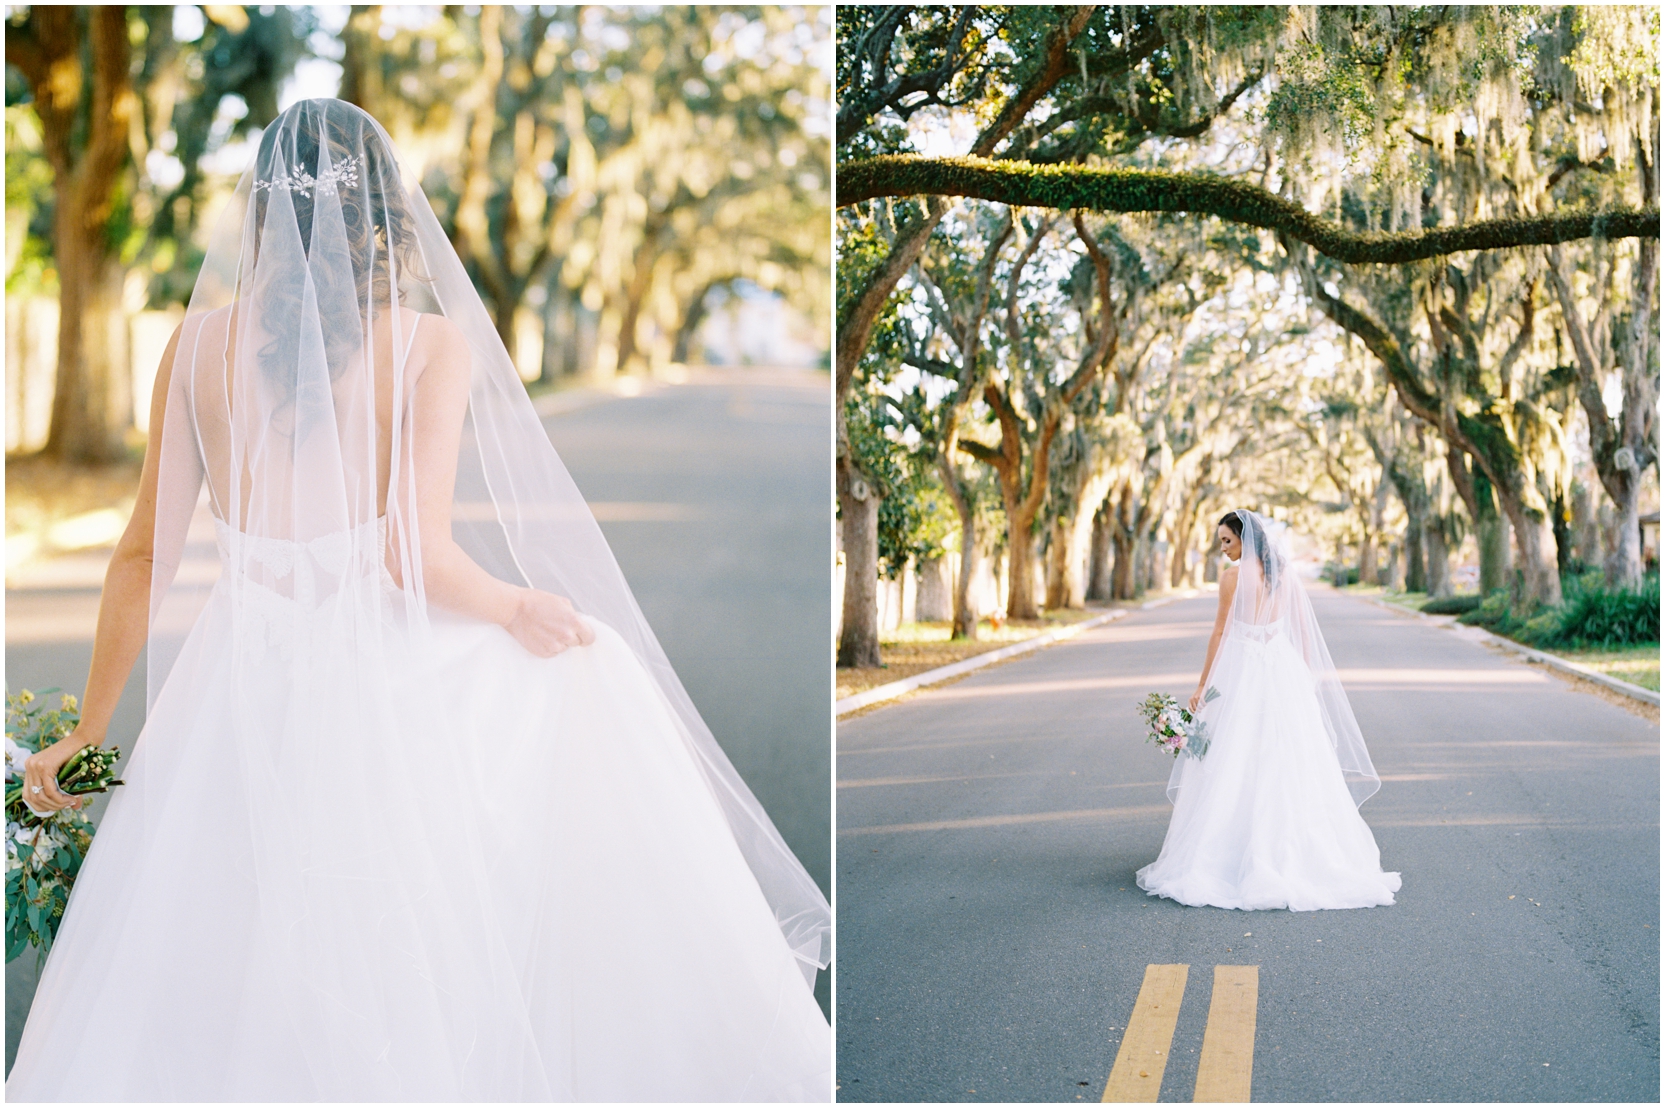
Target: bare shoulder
x,y
439,353
1228,574
437,334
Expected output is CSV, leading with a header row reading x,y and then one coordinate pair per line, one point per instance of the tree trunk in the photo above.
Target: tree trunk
x,y
1586,534
1622,450
92,404
1491,535
965,619
85,126
692,317
1184,527
1072,539
1124,579
1623,568
1057,564
1439,559
1367,559
1098,576
1416,571
1395,569
1020,563
1535,542
1152,562
635,294
859,512
1124,585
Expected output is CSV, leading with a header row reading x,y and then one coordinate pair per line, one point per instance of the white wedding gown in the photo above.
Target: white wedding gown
x,y
317,912
1265,818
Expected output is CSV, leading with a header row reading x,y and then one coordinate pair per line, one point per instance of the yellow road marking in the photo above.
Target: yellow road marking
x,y
1136,1078
1228,1049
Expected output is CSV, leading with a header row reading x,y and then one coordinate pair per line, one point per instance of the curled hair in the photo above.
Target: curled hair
x,y
375,219
1270,564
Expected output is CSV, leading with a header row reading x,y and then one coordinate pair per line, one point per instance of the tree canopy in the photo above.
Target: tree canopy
x,y
1370,243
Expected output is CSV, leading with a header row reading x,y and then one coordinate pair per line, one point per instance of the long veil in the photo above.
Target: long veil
x,y
291,409
1270,600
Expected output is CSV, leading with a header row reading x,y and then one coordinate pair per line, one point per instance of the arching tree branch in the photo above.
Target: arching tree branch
x,y
1130,190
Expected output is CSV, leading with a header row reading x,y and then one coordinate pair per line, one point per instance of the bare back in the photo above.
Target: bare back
x,y
273,458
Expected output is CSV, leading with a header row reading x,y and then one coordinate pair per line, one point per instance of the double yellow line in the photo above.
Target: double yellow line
x,y
1228,1049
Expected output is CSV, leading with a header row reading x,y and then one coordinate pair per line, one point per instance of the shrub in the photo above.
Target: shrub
x,y
1610,618
1452,605
1490,613
1591,615
1332,577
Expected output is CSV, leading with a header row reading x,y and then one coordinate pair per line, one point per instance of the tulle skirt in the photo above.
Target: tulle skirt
x,y
1265,819
349,868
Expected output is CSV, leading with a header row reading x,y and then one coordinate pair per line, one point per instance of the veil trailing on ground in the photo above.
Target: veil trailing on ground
x,y
1270,600
293,407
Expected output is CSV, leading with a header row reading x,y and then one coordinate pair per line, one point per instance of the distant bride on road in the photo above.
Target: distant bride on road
x,y
1268,818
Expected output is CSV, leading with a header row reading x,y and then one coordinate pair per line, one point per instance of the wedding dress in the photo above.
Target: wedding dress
x,y
1268,817
370,847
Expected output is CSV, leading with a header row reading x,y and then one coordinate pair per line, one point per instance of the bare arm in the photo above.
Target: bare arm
x,y
544,624
1228,586
123,614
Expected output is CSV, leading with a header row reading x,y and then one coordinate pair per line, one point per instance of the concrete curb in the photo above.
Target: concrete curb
x,y
942,673
1480,635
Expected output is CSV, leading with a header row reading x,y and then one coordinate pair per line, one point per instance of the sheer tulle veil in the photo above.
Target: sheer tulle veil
x,y
322,268
1269,601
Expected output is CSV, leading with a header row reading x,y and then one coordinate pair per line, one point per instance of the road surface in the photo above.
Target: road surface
x,y
992,941
713,495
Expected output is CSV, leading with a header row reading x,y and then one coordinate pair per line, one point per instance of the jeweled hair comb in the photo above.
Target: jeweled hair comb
x,y
344,172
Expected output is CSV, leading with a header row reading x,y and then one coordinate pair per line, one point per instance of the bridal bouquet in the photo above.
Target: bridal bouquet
x,y
44,851
1173,728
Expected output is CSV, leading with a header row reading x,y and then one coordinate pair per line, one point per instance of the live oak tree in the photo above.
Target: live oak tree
x,y
1413,163
623,164
886,62
945,338
127,112
1048,363
1485,377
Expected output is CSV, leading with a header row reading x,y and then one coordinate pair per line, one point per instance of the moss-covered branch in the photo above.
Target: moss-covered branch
x,y
1068,187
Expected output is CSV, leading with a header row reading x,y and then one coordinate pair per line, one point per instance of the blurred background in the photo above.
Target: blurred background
x,y
631,188
642,197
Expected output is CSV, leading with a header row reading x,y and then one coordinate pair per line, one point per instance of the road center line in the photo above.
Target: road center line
x,y
1136,1078
1228,1049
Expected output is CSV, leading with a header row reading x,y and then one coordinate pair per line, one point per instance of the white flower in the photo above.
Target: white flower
x,y
15,757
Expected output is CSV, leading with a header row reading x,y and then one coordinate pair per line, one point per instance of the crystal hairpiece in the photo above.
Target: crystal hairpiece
x,y
344,172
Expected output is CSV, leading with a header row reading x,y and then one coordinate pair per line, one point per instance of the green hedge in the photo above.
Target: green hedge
x,y
1452,605
1591,615
1600,618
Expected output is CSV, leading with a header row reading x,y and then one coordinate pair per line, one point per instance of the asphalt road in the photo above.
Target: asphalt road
x,y
992,940
713,495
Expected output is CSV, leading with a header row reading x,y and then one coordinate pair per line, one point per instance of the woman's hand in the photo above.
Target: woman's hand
x,y
546,624
40,774
1196,700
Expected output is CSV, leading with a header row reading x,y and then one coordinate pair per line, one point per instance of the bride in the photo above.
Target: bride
x,y
420,811
1268,818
